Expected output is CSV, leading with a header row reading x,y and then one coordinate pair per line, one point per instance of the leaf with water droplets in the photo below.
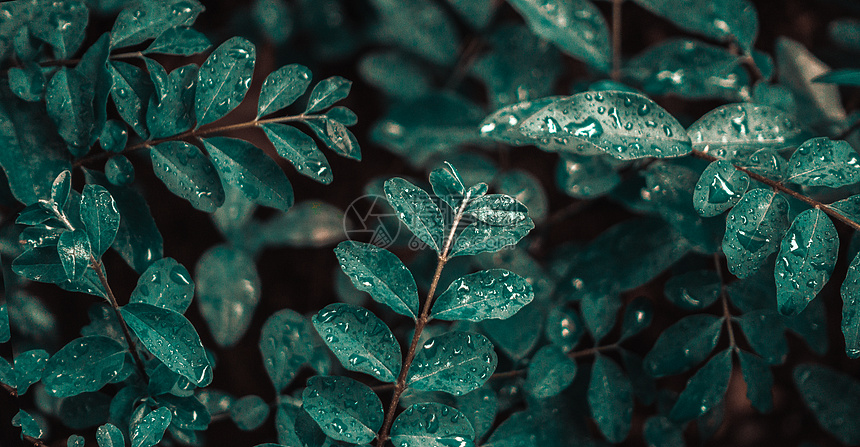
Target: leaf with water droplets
x,y
697,289
764,330
832,396
719,188
550,372
705,389
249,412
824,162
417,211
29,426
759,380
380,273
737,128
84,364
481,237
683,345
300,150
282,87
29,369
479,407
360,340
497,210
259,178
147,20
179,41
228,290
625,125
114,137
577,27
286,343
41,264
100,217
73,247
223,80
165,283
130,92
27,83
171,338
68,98
503,124
432,425
171,109
564,327
61,24
149,429
455,362
805,261
637,316
495,293
753,228
188,173
345,409
448,185
610,397
108,435
586,176
335,136
850,291
726,20
327,92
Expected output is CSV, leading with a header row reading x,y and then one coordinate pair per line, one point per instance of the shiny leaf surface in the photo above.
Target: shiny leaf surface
x,y
346,410
223,80
228,290
380,273
454,362
495,293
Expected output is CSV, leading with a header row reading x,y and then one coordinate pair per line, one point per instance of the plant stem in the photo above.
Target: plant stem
x,y
12,391
785,190
592,351
616,40
724,298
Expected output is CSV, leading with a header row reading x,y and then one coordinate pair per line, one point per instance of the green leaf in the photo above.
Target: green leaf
x,y
637,316
381,274
832,396
223,80
40,264
497,210
683,345
564,327
705,389
599,310
171,338
495,293
73,247
165,283
27,83
360,340
585,176
29,368
850,292
448,185
228,290
286,343
188,173
753,228
432,425
550,372
171,109
249,412
848,207
399,74
345,410
179,41
479,406
735,128
659,431
113,138
805,261
69,98
84,364
764,330
131,91
29,426
526,189
730,20
503,124
100,217
108,435
146,20
5,332
577,27
93,66
824,162
610,397
335,136
327,92
759,381
516,344
61,24
720,187
300,150
625,125
454,362
147,431
480,237
282,87
693,290
415,209
257,176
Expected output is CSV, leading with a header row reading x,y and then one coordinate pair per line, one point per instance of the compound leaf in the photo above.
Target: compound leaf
x,y
432,424
228,290
417,211
705,389
550,372
300,150
188,173
719,188
805,261
345,409
683,345
753,229
610,397
147,20
455,362
223,80
84,364
824,162
380,273
179,41
327,92
494,293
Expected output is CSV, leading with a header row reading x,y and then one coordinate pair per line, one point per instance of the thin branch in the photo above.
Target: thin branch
x,y
616,40
12,391
33,441
592,351
724,298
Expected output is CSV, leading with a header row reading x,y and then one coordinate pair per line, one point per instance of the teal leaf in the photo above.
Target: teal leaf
x,y
5,332
448,185
733,128
61,189
503,124
327,92
683,345
179,41
432,425
274,19
345,409
228,290
76,441
643,384
360,340
223,80
61,24
832,397
625,125
249,412
550,372
480,237
188,173
282,87
165,283
697,289
732,20
100,217
705,389
108,435
335,136
516,344
495,293
454,362
577,27
610,397
564,327
840,77
479,406
29,368
824,162
753,228
526,189
300,150
73,248
84,364
850,291
720,187
148,431
417,211
805,261
586,176
380,273
171,109
130,93
40,264
808,326
171,338
848,207
257,176
759,380
27,83
29,426
398,74
420,26
497,210
599,311
93,66
146,20
286,343
764,330
69,98
8,376
637,316
114,137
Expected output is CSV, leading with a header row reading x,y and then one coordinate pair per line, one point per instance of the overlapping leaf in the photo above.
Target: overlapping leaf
x,y
495,293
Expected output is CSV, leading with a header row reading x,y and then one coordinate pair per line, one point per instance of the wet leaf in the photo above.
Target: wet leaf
x,y
29,426
753,228
495,293
223,80
432,425
171,338
260,179
381,274
637,316
516,344
114,137
286,343
282,87
848,207
610,397
249,412
759,380
68,98
100,217
600,310
327,92
720,187
479,407
480,237
167,284
40,264
448,185
335,136
171,108
61,24
188,173
824,162
585,176
27,83
550,372
130,92
300,150
346,410
179,41
764,330
417,211
497,210
84,364
188,412
29,369
147,20
737,128
148,431
832,396
564,327
683,345
73,248
454,362
705,389
228,290
526,189
729,20
503,124
850,291
694,290
805,261
108,435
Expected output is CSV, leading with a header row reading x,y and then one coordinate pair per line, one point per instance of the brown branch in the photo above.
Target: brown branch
x,y
12,391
